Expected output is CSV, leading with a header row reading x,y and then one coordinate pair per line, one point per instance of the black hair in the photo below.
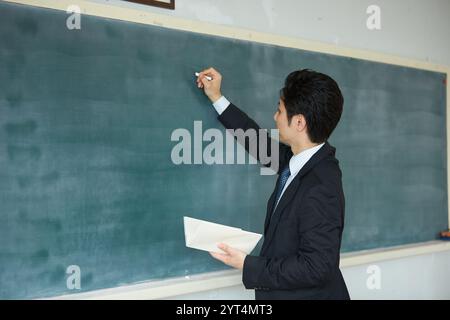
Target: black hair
x,y
317,97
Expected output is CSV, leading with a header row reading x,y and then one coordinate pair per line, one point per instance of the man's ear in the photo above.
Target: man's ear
x,y
299,122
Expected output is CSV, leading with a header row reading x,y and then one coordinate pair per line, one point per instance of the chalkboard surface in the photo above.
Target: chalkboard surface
x,y
86,176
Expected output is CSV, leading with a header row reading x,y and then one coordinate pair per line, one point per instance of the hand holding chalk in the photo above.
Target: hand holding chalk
x,y
210,81
207,77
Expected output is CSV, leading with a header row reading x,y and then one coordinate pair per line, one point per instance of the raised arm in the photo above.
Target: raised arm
x,y
235,119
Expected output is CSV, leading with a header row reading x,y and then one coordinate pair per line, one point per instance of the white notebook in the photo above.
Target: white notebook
x,y
204,235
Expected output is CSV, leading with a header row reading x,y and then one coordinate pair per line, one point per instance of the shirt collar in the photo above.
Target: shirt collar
x,y
299,160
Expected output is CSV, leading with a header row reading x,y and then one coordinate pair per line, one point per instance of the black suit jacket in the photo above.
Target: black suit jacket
x,y
299,258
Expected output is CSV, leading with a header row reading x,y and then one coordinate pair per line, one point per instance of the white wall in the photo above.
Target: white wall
x,y
420,277
410,28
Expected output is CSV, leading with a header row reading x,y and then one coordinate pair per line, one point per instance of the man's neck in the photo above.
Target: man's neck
x,y
297,148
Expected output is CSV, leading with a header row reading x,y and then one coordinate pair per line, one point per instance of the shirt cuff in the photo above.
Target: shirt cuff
x,y
221,104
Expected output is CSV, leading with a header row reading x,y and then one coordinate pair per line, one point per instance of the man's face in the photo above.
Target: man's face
x,y
281,120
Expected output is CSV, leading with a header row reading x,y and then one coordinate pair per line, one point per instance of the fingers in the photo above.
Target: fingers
x,y
210,72
220,257
225,248
204,82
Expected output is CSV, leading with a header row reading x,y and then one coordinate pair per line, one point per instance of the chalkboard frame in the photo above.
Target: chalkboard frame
x,y
161,4
229,278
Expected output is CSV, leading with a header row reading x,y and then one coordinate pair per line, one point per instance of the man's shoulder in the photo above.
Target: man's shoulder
x,y
325,172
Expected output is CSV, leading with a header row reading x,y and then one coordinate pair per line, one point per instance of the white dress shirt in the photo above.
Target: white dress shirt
x,y
297,161
221,104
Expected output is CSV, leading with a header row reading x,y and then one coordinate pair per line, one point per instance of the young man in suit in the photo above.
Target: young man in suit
x,y
299,258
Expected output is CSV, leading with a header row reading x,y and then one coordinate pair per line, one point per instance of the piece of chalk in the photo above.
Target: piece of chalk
x,y
207,77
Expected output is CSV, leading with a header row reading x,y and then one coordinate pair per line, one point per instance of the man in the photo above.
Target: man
x,y
299,258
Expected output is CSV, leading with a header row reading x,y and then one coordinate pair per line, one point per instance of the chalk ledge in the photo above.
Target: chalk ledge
x,y
164,289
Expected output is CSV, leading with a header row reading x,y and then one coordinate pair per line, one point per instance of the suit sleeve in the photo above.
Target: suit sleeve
x,y
233,118
317,258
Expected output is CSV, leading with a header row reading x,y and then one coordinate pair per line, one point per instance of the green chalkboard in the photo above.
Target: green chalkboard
x,y
86,176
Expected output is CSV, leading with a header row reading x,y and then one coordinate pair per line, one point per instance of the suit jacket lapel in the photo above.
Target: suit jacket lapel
x,y
270,206
272,220
275,217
